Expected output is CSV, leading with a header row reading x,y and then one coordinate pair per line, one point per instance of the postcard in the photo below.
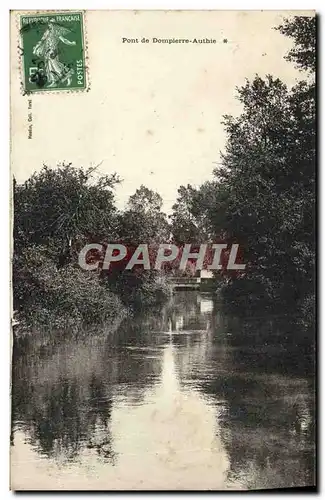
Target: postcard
x,y
163,170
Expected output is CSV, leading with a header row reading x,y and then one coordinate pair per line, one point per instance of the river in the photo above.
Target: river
x,y
186,398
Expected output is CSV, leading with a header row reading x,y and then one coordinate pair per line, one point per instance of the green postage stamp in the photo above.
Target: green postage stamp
x,y
53,51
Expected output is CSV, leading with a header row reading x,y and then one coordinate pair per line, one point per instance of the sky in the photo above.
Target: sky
x,y
152,112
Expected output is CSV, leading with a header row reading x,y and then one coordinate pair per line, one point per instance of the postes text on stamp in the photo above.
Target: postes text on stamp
x,y
53,51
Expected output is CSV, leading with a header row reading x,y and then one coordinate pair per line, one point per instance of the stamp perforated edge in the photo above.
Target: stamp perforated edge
x,y
20,50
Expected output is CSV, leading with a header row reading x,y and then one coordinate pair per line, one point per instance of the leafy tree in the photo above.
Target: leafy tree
x,y
143,221
303,31
145,200
269,174
184,227
263,195
61,207
56,211
191,219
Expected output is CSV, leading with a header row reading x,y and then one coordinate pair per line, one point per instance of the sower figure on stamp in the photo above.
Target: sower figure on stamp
x,y
47,48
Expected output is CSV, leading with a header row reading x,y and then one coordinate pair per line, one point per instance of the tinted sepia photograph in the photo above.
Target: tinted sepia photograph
x,y
163,222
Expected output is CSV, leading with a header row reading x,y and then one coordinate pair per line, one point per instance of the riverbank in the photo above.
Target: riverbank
x,y
70,299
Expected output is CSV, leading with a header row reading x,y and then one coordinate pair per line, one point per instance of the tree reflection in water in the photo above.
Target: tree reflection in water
x,y
187,394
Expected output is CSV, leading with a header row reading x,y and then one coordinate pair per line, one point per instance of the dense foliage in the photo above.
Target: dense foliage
x,y
58,211
263,193
262,196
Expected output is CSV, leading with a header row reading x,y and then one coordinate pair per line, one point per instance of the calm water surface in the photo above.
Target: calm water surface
x,y
186,398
